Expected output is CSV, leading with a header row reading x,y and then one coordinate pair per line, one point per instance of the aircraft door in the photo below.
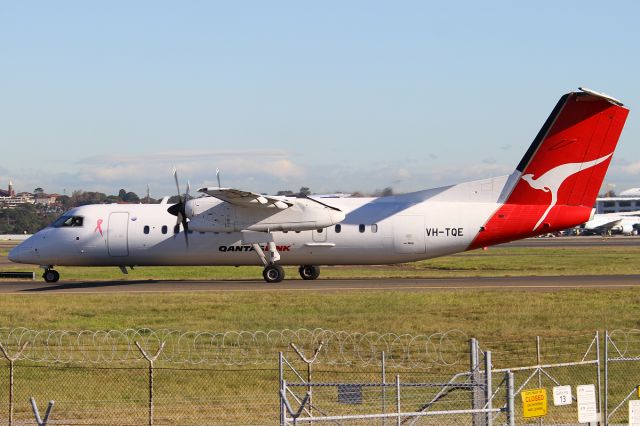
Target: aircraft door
x,y
117,234
408,234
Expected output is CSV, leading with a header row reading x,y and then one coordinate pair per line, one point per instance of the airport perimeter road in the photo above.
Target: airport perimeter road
x,y
503,283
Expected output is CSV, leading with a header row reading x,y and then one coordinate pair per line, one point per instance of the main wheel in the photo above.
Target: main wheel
x,y
309,272
51,276
273,274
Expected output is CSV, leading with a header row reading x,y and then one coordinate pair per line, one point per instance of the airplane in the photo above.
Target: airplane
x,y
626,223
553,187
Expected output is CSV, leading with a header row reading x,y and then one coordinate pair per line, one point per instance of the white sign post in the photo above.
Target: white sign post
x,y
587,408
634,412
562,395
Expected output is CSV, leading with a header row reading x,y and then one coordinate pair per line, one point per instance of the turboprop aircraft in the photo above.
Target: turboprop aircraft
x,y
554,187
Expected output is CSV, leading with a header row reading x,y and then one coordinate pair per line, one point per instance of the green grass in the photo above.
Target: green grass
x,y
486,314
504,320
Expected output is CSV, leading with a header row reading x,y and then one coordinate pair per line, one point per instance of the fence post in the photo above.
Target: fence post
x,y
150,360
36,413
476,391
308,361
538,363
488,390
605,418
511,413
384,386
398,399
281,380
11,360
599,378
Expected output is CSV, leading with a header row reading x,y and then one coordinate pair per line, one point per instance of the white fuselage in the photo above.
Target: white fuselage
x,y
382,230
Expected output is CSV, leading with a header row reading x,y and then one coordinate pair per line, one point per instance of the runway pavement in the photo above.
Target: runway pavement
x,y
440,284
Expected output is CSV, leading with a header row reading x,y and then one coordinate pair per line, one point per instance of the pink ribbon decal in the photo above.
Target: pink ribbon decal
x,y
99,227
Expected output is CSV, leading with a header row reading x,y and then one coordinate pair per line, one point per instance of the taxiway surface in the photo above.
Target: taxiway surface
x,y
430,284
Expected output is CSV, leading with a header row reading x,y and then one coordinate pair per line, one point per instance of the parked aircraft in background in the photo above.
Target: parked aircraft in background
x,y
627,223
553,188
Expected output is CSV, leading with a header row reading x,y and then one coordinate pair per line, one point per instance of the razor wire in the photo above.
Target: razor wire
x,y
237,348
624,344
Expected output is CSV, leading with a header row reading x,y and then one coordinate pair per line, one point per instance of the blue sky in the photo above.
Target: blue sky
x,y
337,96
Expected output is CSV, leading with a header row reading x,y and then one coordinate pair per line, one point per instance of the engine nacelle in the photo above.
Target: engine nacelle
x,y
629,229
209,214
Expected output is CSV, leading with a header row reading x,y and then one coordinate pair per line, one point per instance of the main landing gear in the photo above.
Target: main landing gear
x,y
51,275
273,273
309,272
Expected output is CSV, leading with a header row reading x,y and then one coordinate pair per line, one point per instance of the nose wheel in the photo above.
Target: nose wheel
x,y
309,272
51,275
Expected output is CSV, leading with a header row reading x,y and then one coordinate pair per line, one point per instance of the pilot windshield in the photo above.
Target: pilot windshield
x,y
68,221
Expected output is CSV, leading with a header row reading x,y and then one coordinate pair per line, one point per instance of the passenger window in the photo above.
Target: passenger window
x,y
164,229
146,229
319,231
338,228
361,227
374,228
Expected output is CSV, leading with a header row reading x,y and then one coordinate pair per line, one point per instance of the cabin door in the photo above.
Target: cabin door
x,y
117,235
408,234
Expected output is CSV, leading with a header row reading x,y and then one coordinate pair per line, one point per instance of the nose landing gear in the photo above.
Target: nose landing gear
x,y
51,275
273,273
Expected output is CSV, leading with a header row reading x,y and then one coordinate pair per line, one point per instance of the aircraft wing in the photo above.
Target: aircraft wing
x,y
606,225
246,198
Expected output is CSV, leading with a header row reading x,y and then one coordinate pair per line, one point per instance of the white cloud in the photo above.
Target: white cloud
x,y
629,169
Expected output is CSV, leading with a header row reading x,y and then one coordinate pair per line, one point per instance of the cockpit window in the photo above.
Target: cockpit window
x,y
68,221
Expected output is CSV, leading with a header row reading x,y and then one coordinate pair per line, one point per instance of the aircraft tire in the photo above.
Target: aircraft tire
x,y
51,276
309,272
273,274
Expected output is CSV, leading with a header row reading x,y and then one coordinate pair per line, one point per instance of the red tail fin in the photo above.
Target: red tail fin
x,y
559,177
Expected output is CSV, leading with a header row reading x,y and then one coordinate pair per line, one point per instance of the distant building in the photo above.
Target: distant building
x,y
9,198
617,204
11,202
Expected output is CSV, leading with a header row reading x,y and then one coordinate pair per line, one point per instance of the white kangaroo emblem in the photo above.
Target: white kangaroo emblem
x,y
553,179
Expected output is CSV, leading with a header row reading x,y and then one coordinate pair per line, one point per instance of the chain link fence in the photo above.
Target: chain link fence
x,y
163,377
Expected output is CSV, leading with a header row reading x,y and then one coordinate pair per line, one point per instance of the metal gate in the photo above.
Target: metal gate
x,y
468,397
622,374
117,234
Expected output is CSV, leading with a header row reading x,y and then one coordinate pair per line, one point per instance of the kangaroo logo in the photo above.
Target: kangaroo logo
x,y
553,179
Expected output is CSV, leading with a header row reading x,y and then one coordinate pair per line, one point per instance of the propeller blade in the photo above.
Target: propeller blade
x,y
185,225
175,177
179,209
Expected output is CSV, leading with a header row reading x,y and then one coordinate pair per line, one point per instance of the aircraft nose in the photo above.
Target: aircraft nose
x,y
21,254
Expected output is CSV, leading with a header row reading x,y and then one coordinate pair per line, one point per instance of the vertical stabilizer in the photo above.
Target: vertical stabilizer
x,y
562,171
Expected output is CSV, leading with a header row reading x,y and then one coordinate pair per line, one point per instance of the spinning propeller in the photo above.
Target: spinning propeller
x,y
179,210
